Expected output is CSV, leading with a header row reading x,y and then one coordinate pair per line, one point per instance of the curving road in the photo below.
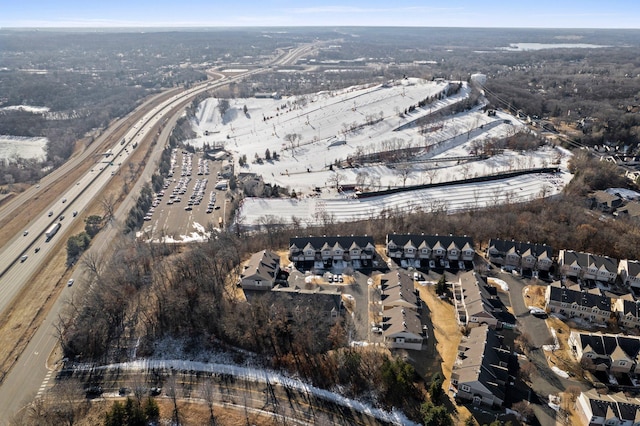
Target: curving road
x,y
31,374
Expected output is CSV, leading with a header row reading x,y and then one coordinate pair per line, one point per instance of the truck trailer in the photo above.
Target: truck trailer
x,y
52,230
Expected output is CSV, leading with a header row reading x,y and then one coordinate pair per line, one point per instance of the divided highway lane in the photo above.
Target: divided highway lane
x,y
30,369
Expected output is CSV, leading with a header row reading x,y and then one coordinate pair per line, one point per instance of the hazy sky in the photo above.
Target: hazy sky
x,y
215,13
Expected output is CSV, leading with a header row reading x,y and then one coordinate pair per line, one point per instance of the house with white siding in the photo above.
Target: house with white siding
x,y
629,271
431,251
587,266
617,409
573,302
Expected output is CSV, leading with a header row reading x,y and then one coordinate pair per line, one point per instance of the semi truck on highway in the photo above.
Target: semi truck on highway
x,y
52,230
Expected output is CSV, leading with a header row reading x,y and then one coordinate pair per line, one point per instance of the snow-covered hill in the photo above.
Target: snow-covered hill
x,y
332,126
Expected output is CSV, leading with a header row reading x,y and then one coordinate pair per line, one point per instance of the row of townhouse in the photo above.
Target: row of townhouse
x,y
573,302
419,251
613,353
475,302
587,266
576,265
431,251
519,255
617,409
483,368
592,305
401,309
336,252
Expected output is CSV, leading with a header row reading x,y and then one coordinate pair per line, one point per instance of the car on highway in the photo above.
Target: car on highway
x,y
23,258
25,233
70,282
75,213
64,200
50,213
61,218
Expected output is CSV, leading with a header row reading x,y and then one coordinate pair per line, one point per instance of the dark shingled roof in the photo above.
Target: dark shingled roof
x,y
431,240
520,248
581,298
344,241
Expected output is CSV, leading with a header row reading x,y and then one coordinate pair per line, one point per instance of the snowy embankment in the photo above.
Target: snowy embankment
x,y
255,211
255,375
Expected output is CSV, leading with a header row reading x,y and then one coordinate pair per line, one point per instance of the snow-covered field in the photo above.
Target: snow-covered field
x,y
23,147
322,123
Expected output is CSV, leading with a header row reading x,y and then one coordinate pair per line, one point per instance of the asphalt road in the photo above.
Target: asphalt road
x,y
31,374
295,405
544,382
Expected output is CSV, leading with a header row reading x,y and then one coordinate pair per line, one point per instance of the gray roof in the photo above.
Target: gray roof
x,y
264,264
608,344
633,268
537,250
398,286
361,241
481,359
477,298
561,294
445,241
618,404
398,319
586,260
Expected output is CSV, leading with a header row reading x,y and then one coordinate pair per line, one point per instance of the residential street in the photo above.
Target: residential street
x,y
544,382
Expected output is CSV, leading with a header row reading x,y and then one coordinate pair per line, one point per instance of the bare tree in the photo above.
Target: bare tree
x,y
431,173
108,203
209,395
292,138
93,263
172,393
404,171
336,179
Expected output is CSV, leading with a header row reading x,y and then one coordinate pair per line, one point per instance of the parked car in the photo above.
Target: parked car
x,y
93,391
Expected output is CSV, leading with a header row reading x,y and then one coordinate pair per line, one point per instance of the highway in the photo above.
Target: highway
x,y
31,373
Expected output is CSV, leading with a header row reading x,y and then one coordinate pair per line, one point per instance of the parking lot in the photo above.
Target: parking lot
x,y
192,201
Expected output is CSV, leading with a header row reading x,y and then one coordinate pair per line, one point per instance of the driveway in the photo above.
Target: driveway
x,y
534,326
